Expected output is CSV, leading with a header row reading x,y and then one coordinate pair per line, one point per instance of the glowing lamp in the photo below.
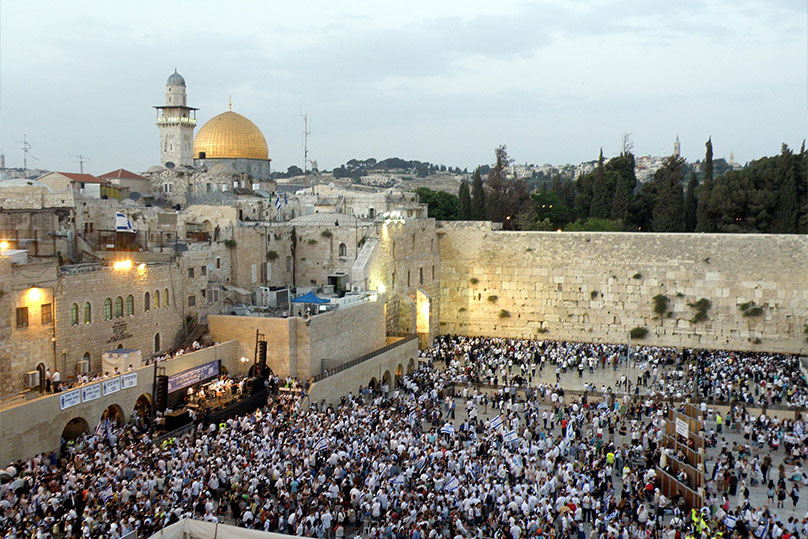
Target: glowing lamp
x,y
34,294
382,288
3,245
122,265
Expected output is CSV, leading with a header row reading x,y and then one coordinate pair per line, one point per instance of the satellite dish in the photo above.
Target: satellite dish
x,y
170,165
135,196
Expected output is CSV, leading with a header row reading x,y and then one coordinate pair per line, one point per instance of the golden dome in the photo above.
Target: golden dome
x,y
230,136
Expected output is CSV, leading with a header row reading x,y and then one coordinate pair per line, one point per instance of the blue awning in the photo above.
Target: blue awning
x,y
310,297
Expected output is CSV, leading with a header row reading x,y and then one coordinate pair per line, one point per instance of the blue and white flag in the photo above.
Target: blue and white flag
x,y
799,430
285,200
495,422
763,531
452,484
413,415
321,445
278,203
729,522
448,428
99,430
107,494
398,480
122,223
510,436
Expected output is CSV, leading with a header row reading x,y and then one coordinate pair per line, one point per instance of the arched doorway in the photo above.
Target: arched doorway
x,y
41,369
156,342
387,380
74,428
142,411
411,366
114,414
399,373
373,384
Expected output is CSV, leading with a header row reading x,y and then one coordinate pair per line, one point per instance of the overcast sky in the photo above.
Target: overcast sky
x,y
444,82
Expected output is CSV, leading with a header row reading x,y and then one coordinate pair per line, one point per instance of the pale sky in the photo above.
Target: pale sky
x,y
444,82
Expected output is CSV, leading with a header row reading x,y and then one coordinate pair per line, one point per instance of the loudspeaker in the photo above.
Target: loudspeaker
x,y
161,399
262,352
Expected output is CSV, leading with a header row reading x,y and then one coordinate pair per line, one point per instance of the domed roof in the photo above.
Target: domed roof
x,y
175,79
230,136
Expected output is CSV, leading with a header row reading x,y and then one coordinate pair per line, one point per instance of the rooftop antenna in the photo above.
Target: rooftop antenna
x,y
26,148
306,134
82,159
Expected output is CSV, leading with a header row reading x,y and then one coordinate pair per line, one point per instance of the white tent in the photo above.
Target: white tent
x,y
197,529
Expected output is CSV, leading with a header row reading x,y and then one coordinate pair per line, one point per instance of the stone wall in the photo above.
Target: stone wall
x,y
598,286
297,347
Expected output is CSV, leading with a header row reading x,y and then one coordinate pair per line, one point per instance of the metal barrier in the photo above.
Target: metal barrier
x,y
361,359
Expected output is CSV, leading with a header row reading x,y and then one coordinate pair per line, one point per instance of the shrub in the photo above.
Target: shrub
x,y
461,310
749,309
493,299
542,330
700,307
661,304
326,233
474,280
637,276
272,255
312,241
230,244
593,294
638,333
504,314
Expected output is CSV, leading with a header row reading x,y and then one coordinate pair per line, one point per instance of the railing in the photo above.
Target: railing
x,y
361,359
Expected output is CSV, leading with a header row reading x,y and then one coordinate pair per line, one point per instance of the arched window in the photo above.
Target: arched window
x,y
74,315
130,305
342,249
165,297
156,299
147,302
108,309
88,313
118,307
156,342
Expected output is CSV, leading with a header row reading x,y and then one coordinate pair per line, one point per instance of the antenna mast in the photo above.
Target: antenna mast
x,y
82,159
306,134
26,148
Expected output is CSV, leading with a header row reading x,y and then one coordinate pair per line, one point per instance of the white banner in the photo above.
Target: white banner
x,y
681,427
90,393
69,398
129,380
110,386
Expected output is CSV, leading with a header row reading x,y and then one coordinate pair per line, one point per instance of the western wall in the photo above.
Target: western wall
x,y
597,287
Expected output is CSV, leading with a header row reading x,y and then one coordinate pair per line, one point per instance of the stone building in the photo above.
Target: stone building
x,y
176,121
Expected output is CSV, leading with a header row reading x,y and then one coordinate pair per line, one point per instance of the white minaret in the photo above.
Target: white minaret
x,y
176,121
677,148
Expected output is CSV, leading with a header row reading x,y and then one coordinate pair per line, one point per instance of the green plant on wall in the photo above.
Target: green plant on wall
x,y
542,330
272,256
593,295
230,244
493,299
474,280
326,233
661,302
312,241
700,309
504,314
637,276
638,333
749,309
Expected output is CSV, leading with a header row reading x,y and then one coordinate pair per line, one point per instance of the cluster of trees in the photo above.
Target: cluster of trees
x,y
356,168
769,195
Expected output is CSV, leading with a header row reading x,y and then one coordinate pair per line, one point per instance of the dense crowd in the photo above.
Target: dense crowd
x,y
403,463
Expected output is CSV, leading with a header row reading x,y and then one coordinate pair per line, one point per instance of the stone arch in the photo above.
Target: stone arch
x,y
387,378
147,302
75,428
114,413
143,407
411,366
399,373
373,384
41,368
343,249
156,342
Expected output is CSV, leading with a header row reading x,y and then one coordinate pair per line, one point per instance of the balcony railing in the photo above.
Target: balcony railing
x,y
362,359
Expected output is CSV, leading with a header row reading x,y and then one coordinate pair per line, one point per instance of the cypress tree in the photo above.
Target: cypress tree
x,y
477,197
601,194
691,203
464,197
668,213
787,208
705,221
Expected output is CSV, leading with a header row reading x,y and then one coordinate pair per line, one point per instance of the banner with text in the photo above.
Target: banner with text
x,y
193,376
90,393
69,398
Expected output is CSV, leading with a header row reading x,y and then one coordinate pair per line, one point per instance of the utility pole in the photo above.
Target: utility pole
x,y
306,134
82,159
26,149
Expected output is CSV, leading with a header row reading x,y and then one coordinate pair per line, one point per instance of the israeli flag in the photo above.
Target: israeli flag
x,y
495,422
448,428
510,436
799,430
285,200
99,430
122,223
107,494
413,416
399,480
321,445
278,203
729,522
452,484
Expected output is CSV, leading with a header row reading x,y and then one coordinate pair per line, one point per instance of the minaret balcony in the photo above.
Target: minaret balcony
x,y
183,120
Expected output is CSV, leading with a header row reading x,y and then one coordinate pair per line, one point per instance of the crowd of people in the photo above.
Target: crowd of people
x,y
415,462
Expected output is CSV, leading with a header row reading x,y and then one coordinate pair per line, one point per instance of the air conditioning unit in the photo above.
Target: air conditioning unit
x,y
32,379
83,366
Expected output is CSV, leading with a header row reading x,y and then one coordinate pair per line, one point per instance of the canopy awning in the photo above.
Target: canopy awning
x,y
310,297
